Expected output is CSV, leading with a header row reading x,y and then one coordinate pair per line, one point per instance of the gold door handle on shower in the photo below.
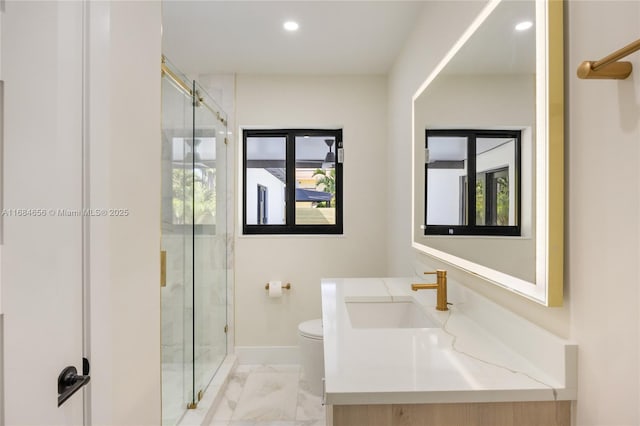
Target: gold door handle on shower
x,y
163,268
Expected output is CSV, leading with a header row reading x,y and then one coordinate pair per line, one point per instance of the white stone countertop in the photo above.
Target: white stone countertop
x,y
480,353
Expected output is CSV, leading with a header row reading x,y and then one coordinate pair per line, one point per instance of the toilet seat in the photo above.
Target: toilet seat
x,y
311,329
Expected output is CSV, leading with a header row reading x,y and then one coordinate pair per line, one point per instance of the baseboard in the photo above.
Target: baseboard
x,y
267,354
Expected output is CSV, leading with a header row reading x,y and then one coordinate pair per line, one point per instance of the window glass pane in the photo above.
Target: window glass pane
x,y
480,198
496,196
265,180
447,180
315,180
501,210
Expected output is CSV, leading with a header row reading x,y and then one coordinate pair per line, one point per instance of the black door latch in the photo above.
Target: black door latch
x,y
69,381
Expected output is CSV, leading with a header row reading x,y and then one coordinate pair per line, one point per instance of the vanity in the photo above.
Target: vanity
x,y
392,359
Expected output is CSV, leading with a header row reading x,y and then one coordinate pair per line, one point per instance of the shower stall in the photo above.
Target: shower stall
x,y
194,242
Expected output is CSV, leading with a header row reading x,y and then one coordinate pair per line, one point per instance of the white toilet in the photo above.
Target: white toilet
x,y
312,353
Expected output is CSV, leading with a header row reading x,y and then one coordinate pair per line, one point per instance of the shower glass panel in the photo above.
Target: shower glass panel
x,y
194,238
177,243
210,279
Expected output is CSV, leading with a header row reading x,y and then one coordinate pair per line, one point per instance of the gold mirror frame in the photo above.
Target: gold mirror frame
x,y
547,289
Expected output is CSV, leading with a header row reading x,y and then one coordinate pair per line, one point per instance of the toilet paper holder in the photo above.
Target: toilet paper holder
x,y
287,286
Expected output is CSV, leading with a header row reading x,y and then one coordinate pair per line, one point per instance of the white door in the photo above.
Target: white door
x,y
42,256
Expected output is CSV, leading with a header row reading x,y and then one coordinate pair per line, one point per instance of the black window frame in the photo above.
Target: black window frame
x,y
471,228
290,227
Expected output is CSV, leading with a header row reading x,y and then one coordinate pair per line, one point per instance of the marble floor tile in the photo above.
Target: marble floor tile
x,y
268,395
309,406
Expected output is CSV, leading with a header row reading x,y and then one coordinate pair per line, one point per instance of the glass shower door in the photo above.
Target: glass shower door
x,y
194,242
177,248
210,233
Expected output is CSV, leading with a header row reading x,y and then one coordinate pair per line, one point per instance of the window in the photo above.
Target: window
x,y
472,182
292,181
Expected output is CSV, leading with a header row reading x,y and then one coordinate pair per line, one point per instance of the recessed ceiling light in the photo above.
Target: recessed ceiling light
x,y
291,26
524,25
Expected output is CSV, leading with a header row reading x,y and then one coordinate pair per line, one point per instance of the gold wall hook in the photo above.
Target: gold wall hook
x,y
612,71
610,66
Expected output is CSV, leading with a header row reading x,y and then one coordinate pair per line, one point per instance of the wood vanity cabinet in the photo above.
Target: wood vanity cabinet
x,y
527,413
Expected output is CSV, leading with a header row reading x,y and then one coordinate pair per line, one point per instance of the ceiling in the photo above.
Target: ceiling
x,y
496,47
335,36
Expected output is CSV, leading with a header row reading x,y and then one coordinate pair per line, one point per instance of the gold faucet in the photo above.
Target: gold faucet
x,y
440,286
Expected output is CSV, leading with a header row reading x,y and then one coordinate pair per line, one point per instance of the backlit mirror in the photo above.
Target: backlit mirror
x,y
488,151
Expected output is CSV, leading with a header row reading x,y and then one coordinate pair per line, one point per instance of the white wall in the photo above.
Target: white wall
x,y
358,104
602,199
472,102
125,274
603,214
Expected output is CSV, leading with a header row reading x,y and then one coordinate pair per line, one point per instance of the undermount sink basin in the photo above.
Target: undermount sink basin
x,y
405,314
